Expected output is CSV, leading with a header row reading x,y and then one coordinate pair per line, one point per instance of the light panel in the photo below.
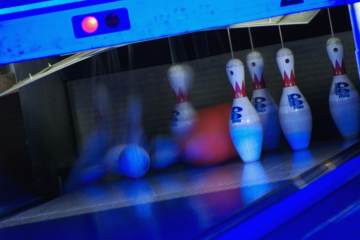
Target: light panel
x,y
49,30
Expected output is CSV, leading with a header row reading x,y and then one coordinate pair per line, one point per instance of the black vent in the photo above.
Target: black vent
x,y
290,2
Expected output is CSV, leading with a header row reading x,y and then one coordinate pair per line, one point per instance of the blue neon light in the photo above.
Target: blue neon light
x,y
49,31
355,15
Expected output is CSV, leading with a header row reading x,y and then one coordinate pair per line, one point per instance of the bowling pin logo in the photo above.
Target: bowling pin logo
x,y
245,126
294,111
260,104
343,98
236,114
263,101
342,90
180,78
295,101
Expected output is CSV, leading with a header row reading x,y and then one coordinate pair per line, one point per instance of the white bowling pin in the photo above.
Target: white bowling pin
x,y
343,98
245,125
263,101
180,78
294,111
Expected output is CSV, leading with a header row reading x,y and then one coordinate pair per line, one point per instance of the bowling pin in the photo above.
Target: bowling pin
x,y
343,98
130,159
180,79
263,102
245,125
294,111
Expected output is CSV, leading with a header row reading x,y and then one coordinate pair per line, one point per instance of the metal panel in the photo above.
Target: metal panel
x,y
47,34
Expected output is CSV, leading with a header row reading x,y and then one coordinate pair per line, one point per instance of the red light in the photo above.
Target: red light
x,y
90,24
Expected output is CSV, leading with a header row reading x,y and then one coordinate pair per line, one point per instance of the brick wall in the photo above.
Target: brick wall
x,y
210,87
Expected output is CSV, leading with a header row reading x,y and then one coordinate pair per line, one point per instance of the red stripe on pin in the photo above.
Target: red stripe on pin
x,y
289,81
240,91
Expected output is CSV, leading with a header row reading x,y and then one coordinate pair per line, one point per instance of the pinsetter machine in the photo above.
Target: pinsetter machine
x,y
47,118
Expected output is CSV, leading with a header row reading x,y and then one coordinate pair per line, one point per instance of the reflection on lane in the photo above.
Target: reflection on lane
x,y
301,160
249,182
254,172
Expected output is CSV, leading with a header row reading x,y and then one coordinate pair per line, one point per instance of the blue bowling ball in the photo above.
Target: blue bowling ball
x,y
133,161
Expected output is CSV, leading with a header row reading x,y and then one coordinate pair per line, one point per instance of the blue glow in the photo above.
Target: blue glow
x,y
270,218
90,166
301,160
92,173
51,33
299,140
354,11
254,174
165,153
248,142
94,193
141,191
335,217
133,161
167,182
346,117
272,131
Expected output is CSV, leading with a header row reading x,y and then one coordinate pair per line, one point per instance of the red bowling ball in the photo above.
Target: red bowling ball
x,y
209,142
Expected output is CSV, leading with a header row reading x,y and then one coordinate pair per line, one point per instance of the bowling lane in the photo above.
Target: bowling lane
x,y
205,196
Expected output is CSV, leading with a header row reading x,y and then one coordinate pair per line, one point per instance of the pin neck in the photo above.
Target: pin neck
x,y
339,69
181,97
289,81
258,83
239,91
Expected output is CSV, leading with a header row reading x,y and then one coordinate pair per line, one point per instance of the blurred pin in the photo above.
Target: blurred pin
x,y
135,133
180,78
130,159
90,167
